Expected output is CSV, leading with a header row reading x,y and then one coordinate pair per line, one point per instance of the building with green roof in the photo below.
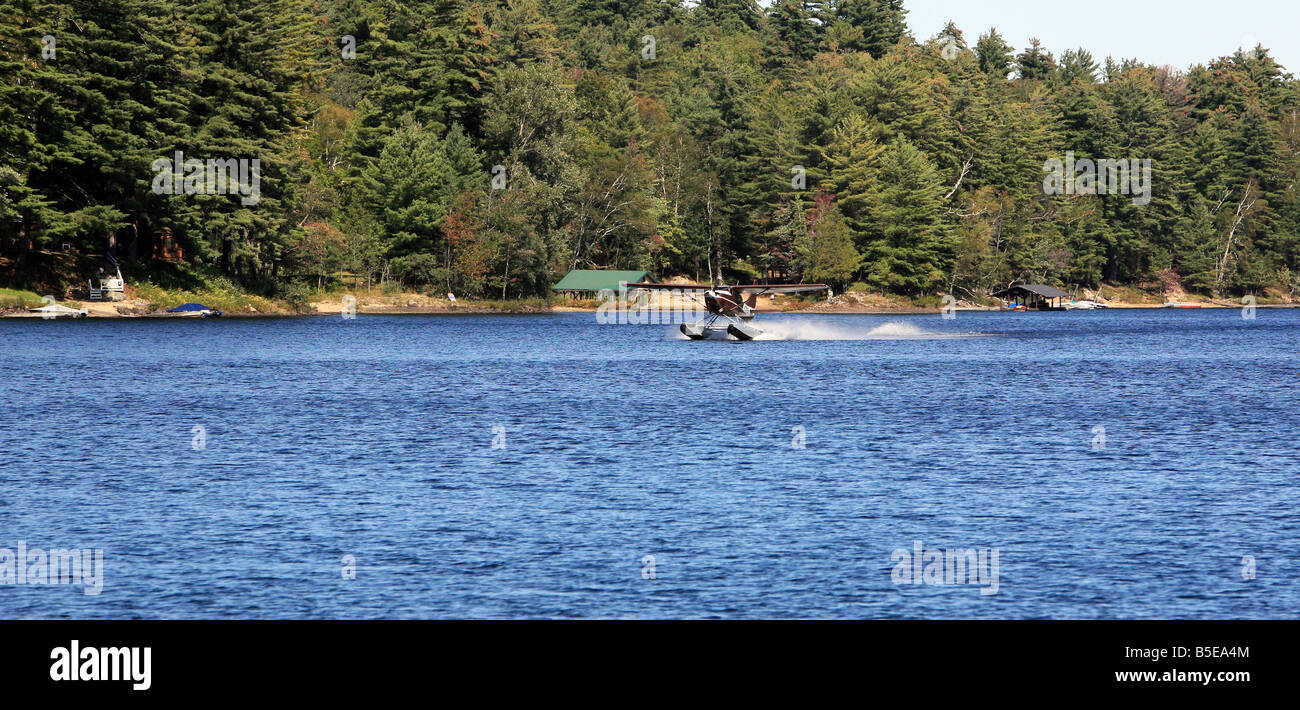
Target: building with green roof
x,y
586,283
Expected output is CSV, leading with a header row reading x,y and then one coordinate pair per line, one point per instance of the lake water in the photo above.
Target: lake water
x,y
1123,464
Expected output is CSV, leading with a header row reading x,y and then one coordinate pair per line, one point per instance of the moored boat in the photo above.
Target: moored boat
x,y
194,310
54,310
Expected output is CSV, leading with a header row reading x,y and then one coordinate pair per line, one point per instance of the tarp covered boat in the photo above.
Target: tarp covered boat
x,y
194,309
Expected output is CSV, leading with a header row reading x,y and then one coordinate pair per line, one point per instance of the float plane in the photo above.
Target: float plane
x,y
732,304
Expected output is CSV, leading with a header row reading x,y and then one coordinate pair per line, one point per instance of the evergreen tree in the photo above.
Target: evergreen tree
x,y
1035,62
797,35
828,252
854,158
1077,64
872,26
909,246
995,55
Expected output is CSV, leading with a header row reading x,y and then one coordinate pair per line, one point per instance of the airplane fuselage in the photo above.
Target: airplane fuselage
x,y
727,303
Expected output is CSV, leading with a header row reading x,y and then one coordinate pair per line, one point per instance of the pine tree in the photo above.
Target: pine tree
x,y
995,55
872,26
909,248
1077,64
854,158
829,256
1035,62
797,35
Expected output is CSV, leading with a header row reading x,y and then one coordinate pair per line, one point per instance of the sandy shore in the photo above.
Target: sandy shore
x,y
419,304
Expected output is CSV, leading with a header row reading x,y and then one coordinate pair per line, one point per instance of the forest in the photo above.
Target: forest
x,y
486,147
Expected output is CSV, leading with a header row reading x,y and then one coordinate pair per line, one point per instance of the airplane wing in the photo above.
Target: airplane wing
x,y
671,287
761,288
780,288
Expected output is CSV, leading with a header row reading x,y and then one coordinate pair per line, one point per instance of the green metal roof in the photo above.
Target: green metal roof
x,y
596,279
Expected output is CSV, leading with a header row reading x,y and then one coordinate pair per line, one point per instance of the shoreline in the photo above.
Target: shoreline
x,y
98,310
151,305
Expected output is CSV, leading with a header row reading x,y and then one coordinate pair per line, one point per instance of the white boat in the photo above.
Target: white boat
x,y
55,310
1084,306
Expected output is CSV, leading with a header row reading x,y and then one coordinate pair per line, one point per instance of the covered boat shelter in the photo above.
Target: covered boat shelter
x,y
1037,297
586,283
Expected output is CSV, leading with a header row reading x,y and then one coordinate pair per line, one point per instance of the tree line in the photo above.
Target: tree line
x,y
485,147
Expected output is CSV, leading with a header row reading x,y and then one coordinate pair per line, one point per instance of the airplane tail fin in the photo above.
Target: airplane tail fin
x,y
752,300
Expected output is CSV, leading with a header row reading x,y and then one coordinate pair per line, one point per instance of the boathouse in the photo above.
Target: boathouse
x,y
1036,297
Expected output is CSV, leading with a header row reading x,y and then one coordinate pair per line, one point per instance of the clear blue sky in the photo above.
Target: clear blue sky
x,y
1179,33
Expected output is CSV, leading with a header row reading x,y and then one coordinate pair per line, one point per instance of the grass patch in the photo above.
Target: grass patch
x,y
12,298
1129,294
580,303
226,301
524,305
167,285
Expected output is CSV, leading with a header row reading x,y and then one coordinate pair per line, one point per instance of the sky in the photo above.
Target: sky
x,y
1181,33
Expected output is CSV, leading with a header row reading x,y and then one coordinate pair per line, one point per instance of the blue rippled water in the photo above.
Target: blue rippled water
x,y
324,438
